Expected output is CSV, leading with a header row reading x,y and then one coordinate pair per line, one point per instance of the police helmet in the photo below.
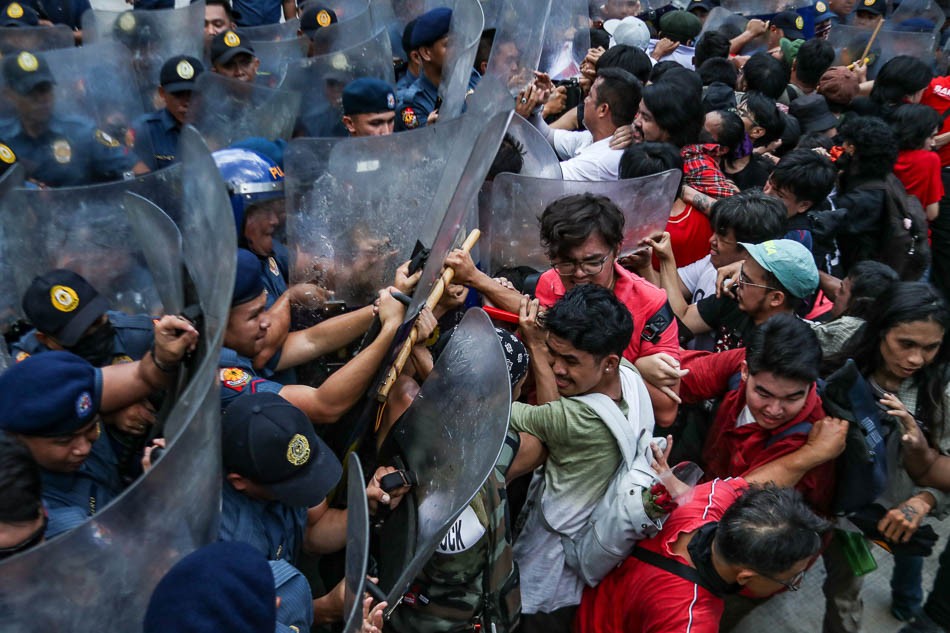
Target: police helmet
x,y
251,178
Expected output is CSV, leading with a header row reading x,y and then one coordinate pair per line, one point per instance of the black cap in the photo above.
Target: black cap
x,y
706,5
315,17
272,442
791,24
180,73
15,14
25,71
812,113
226,45
877,7
63,305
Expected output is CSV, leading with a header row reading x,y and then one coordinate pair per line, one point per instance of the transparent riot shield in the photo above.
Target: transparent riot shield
x,y
160,242
566,38
357,545
724,20
450,437
320,81
512,230
763,7
276,56
271,32
100,575
225,110
916,16
516,50
150,38
540,160
353,215
465,32
850,42
342,34
35,38
95,83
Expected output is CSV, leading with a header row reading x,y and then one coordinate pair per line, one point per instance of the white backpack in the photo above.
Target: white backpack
x,y
619,519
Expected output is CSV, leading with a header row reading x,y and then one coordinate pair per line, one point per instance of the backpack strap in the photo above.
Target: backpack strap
x,y
672,566
801,427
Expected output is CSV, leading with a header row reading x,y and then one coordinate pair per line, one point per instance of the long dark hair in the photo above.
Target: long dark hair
x,y
906,302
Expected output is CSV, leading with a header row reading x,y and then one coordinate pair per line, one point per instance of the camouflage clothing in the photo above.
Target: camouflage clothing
x,y
472,578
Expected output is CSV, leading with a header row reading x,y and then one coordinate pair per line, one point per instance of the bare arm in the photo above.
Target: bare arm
x,y
531,454
468,275
825,442
534,338
324,337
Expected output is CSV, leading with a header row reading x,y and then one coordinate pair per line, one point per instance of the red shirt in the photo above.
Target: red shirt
x,y
732,451
689,236
919,170
937,96
638,597
642,298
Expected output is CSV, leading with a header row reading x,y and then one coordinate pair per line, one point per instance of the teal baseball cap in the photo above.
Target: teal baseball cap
x,y
790,262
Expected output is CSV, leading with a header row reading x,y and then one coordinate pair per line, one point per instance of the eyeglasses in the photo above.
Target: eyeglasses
x,y
743,111
792,585
588,267
34,539
744,281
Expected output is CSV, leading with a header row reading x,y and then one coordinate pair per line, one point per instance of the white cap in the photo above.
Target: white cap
x,y
631,31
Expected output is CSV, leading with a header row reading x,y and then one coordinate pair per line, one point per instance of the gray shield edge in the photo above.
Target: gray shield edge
x,y
517,201
35,38
540,160
357,545
160,243
452,434
516,50
566,41
464,34
850,41
100,575
275,56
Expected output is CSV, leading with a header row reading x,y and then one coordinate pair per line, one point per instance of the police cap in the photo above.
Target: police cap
x,y
25,71
368,95
431,26
248,284
877,7
791,24
315,17
15,14
49,394
63,304
272,442
226,45
180,73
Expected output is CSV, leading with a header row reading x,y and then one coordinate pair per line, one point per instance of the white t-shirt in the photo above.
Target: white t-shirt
x,y
683,55
700,279
595,162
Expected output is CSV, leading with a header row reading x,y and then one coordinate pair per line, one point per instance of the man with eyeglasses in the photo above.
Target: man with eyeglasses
x,y
732,536
774,278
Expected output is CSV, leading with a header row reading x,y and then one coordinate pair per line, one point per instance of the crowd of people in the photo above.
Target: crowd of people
x,y
699,410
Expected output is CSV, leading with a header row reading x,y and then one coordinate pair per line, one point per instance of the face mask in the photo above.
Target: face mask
x,y
97,346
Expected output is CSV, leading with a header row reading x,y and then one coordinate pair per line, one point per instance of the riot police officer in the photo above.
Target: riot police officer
x,y
159,131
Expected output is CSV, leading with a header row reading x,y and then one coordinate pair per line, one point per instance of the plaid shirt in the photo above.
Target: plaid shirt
x,y
701,172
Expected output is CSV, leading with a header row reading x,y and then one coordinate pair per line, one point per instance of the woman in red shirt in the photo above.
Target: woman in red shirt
x,y
918,166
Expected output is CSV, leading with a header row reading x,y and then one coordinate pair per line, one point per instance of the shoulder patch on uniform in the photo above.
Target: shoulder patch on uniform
x,y
409,118
21,356
272,265
6,154
62,151
234,378
121,359
105,139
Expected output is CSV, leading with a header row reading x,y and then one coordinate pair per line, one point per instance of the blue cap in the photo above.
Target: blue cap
x,y
431,26
248,283
790,262
219,587
368,95
49,394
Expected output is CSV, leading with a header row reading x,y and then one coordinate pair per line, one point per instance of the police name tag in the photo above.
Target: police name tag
x,y
463,534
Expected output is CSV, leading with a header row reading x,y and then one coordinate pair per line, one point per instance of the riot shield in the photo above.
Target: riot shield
x,y
724,20
95,82
271,32
320,81
916,16
763,7
540,160
100,575
342,34
275,56
566,38
353,216
225,110
516,50
517,202
465,32
849,43
35,38
160,242
151,37
357,545
450,437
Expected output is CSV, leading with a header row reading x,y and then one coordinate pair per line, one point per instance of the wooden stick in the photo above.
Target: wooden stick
x,y
434,297
867,48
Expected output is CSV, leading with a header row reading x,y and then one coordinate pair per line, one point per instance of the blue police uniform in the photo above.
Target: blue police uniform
x,y
161,130
69,153
273,275
68,12
134,334
419,101
295,611
237,375
404,83
274,528
257,12
87,490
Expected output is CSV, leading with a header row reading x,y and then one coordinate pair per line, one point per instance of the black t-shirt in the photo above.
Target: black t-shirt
x,y
730,325
753,175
